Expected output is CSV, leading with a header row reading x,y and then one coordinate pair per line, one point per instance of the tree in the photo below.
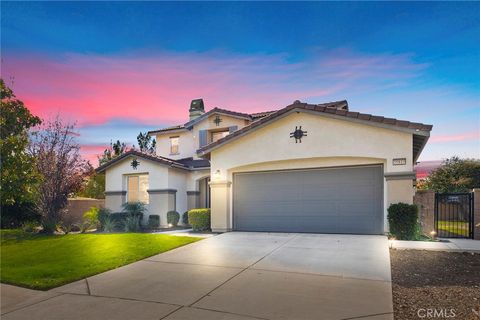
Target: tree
x,y
114,150
455,175
146,143
94,187
18,175
58,160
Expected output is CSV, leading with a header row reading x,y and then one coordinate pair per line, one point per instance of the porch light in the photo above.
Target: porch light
x,y
216,175
433,234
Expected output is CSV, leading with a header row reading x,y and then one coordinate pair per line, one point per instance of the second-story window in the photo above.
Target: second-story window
x,y
218,135
174,145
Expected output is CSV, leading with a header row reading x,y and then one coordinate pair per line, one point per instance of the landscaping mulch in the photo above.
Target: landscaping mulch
x,y
447,283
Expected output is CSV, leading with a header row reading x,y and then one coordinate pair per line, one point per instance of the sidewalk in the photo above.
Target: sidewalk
x,y
454,245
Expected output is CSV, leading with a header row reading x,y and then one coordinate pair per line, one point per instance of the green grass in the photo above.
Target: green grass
x,y
43,262
455,227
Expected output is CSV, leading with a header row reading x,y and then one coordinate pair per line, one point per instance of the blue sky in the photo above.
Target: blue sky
x,y
415,61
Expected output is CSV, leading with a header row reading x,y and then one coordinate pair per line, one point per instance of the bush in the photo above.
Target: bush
x,y
30,226
90,218
109,225
103,214
199,219
118,218
185,218
172,218
137,209
132,224
153,221
403,220
13,216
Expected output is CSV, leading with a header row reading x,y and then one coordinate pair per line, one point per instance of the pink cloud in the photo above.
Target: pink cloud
x,y
92,152
91,89
456,137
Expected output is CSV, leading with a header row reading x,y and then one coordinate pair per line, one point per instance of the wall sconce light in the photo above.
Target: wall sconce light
x,y
216,175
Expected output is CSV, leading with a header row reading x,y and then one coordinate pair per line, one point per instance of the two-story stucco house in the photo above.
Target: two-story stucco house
x,y
303,168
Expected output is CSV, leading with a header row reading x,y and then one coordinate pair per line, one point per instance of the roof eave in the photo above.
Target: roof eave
x,y
207,114
292,109
114,161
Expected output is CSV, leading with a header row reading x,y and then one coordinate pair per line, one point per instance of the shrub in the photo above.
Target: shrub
x,y
109,224
153,221
135,208
173,217
132,224
90,217
185,218
118,218
30,226
13,216
403,220
84,226
103,214
199,219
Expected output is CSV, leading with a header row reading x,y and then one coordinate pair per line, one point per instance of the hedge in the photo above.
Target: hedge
x,y
185,218
153,221
199,219
173,217
403,220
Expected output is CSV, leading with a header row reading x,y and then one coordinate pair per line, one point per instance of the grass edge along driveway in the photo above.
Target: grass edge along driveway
x,y
44,262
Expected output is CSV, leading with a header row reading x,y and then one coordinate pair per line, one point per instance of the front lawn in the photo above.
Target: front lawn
x,y
43,262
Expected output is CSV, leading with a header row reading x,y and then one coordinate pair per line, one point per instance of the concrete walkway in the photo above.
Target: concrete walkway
x,y
454,245
238,276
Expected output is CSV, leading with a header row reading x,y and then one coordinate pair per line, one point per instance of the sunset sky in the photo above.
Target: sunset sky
x,y
121,68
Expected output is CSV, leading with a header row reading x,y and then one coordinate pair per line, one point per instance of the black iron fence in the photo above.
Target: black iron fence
x,y
454,215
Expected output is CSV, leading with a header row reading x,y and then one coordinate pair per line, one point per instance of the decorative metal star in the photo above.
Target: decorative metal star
x,y
217,120
298,134
135,163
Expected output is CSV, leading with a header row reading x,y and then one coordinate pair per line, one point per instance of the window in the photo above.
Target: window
x,y
218,135
174,145
137,187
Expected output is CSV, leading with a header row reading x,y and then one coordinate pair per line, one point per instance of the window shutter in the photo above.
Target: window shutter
x,y
232,129
202,135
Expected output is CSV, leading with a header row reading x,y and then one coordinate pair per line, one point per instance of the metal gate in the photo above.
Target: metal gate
x,y
454,215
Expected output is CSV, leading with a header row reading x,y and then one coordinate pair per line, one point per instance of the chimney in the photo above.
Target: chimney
x,y
196,109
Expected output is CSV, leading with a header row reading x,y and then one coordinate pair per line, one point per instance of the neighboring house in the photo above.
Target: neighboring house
x,y
303,168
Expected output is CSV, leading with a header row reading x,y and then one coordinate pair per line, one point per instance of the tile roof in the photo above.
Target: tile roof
x,y
216,110
178,127
195,163
338,108
152,157
252,116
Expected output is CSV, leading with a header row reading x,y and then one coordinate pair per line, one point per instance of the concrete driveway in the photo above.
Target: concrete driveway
x,y
237,275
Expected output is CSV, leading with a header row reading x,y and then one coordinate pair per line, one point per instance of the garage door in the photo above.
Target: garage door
x,y
334,200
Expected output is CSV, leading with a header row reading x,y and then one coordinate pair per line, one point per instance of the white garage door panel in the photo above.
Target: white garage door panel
x,y
337,200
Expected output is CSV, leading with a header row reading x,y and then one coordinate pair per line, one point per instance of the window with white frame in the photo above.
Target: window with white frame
x,y
174,145
137,186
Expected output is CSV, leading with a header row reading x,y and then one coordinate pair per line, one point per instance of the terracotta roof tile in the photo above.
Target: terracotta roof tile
x,y
152,157
339,108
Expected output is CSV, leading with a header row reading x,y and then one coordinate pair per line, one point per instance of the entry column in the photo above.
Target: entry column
x,y
220,206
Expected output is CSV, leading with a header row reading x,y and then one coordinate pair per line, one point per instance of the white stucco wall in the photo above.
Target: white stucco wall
x,y
178,180
186,145
326,137
115,175
329,143
189,140
160,177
